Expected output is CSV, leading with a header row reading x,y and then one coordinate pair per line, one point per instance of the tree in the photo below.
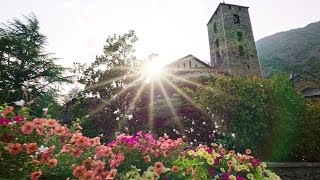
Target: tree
x,y
27,71
111,85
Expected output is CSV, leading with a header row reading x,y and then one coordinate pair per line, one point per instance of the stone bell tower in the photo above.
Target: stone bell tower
x,y
231,41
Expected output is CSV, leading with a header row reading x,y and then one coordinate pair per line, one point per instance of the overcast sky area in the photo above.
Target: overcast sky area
x,y
77,29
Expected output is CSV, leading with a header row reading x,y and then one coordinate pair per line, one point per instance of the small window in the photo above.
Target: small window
x,y
215,27
239,35
236,19
184,65
178,66
196,65
217,43
241,50
229,6
239,8
216,12
190,64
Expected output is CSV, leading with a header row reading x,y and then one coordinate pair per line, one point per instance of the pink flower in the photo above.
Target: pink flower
x,y
79,171
175,169
103,151
147,158
31,148
15,148
52,163
27,128
7,111
76,152
112,174
158,167
82,141
89,175
35,175
65,148
51,123
60,130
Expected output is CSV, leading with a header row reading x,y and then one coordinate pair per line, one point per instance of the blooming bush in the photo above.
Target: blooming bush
x,y
43,148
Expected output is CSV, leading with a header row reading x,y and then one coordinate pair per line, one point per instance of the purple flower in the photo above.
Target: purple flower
x,y
209,150
225,176
255,162
211,172
139,133
19,118
149,138
217,161
110,144
4,121
240,178
6,138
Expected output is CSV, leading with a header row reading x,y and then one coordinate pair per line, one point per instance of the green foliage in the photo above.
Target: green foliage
x,y
28,72
296,50
307,147
111,83
262,115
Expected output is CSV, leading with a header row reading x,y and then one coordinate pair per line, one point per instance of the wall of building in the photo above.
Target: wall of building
x,y
296,171
236,50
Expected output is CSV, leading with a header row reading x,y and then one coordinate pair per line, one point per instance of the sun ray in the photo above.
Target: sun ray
x,y
107,82
112,98
185,80
150,112
133,102
168,101
188,98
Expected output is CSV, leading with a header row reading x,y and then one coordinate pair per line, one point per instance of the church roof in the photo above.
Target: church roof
x,y
190,56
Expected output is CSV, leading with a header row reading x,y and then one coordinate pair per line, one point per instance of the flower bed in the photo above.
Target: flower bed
x,y
41,148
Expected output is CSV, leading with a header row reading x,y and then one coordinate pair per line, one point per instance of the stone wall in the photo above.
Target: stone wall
x,y
296,171
231,41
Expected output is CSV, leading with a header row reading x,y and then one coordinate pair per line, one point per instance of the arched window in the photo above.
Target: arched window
x,y
239,35
236,19
217,43
241,50
215,27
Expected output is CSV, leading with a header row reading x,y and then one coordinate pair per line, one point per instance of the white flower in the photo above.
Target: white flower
x,y
233,135
20,103
203,123
43,149
130,116
192,122
116,111
117,118
191,129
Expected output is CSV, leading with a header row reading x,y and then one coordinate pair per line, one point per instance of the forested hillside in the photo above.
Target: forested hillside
x,y
294,50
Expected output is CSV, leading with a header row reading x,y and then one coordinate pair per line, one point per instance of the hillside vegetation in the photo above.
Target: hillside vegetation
x,y
295,50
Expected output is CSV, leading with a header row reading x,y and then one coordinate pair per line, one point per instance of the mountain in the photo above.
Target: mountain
x,y
295,50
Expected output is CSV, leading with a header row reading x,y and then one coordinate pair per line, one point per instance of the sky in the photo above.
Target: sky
x,y
77,29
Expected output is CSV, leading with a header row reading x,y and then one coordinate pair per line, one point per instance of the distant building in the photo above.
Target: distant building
x,y
232,47
307,83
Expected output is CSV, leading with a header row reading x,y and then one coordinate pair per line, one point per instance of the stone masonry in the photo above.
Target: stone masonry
x,y
231,41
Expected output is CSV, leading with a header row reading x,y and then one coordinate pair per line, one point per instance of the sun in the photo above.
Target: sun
x,y
153,70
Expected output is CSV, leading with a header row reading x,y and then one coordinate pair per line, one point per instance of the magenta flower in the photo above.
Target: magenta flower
x,y
139,133
4,121
255,162
19,118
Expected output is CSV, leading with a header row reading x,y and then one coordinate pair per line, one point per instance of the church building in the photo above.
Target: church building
x,y
231,43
